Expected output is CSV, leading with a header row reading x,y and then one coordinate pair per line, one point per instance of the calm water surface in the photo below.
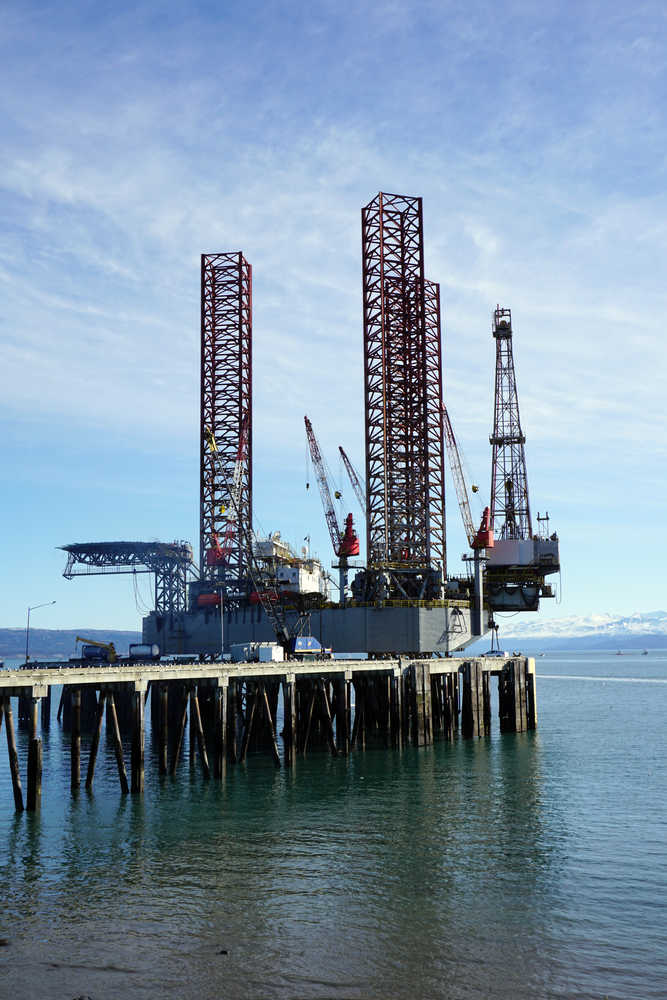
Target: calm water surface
x,y
521,866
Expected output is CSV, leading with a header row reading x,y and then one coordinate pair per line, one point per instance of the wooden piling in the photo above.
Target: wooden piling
x,y
290,719
163,726
386,709
359,728
13,754
34,717
180,732
196,724
34,794
232,717
248,725
269,718
451,706
192,736
486,702
75,739
396,711
520,694
531,695
46,709
328,721
220,729
342,711
137,762
112,722
265,729
472,707
512,697
437,720
96,740
309,716
420,703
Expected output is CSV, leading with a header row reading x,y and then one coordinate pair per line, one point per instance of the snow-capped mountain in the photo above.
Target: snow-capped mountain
x,y
642,628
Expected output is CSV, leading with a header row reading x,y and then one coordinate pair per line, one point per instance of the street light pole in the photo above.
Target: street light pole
x,y
27,628
222,624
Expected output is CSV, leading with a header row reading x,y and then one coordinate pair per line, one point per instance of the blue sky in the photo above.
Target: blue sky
x,y
136,137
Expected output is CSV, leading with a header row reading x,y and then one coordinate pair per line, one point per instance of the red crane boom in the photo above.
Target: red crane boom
x,y
483,537
345,543
457,476
325,493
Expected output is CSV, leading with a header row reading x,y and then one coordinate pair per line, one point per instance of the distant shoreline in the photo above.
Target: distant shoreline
x,y
59,643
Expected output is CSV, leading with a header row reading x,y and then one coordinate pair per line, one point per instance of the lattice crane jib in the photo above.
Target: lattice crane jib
x,y
357,485
226,407
397,447
458,477
510,507
325,493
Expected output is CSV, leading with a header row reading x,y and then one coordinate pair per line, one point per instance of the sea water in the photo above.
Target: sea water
x,y
519,866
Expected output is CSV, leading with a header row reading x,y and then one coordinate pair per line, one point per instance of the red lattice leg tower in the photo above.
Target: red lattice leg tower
x,y
403,395
226,409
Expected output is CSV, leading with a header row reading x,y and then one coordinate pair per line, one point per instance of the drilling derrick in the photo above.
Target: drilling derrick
x,y
226,413
510,509
403,396
519,561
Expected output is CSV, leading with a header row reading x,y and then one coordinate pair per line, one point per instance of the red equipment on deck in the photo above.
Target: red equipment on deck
x,y
484,537
349,545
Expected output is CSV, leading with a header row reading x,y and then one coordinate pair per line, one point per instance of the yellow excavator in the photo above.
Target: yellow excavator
x,y
94,650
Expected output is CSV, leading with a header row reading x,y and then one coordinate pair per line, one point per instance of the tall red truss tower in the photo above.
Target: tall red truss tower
x,y
226,410
510,508
435,428
405,503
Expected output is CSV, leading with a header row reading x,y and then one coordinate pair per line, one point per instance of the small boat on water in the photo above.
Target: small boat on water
x,y
645,653
619,652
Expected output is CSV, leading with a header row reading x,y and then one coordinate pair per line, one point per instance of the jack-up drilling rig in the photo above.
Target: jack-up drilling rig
x,y
345,542
403,601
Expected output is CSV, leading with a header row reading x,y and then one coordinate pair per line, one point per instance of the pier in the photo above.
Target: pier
x,y
335,706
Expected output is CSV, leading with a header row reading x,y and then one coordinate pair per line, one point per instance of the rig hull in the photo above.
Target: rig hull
x,y
374,630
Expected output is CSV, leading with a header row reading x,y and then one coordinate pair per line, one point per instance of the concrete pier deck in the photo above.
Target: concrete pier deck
x,y
233,708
